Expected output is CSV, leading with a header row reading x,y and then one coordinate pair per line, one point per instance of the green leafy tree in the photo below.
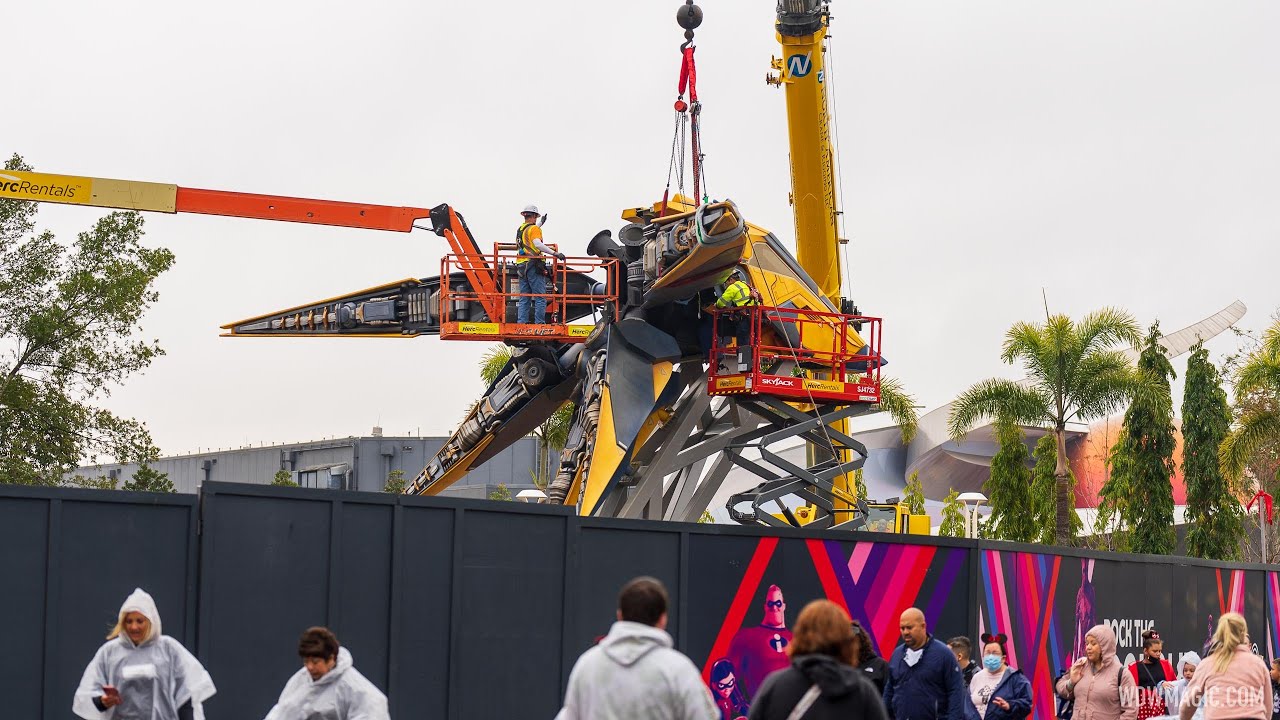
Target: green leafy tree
x,y
283,478
706,518
1142,460
860,486
1257,422
1075,373
501,493
395,482
914,495
147,479
953,516
102,482
69,320
1217,523
1008,488
1044,492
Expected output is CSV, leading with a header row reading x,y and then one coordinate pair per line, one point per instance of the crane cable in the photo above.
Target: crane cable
x,y
688,128
846,277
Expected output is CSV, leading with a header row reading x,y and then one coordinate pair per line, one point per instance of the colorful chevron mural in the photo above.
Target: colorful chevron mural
x,y
1019,590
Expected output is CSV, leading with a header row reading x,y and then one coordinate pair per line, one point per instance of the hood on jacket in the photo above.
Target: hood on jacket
x,y
832,677
1187,657
344,663
140,601
628,641
1106,639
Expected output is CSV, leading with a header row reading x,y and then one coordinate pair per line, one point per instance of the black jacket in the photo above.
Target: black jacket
x,y
877,671
846,695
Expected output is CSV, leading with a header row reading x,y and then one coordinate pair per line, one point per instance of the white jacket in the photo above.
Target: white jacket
x,y
634,674
340,694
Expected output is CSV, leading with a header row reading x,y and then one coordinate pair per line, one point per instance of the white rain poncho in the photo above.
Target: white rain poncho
x,y
340,694
154,678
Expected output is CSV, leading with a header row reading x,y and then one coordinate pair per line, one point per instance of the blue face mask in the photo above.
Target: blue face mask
x,y
992,662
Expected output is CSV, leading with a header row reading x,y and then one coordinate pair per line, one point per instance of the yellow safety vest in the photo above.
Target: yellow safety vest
x,y
738,294
524,241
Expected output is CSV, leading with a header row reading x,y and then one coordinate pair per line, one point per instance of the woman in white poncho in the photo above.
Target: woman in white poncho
x,y
328,687
140,673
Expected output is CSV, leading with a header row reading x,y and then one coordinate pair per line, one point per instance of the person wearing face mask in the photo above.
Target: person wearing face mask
x,y
1098,683
142,674
327,685
998,691
1153,675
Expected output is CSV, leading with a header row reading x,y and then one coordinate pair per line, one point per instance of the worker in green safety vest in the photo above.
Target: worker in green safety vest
x,y
738,295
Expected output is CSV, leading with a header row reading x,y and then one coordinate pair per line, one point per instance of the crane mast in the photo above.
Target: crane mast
x,y
802,32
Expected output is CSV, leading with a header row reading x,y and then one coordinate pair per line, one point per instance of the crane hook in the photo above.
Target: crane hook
x,y
689,17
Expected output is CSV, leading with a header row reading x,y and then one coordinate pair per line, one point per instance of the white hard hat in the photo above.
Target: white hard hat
x,y
530,209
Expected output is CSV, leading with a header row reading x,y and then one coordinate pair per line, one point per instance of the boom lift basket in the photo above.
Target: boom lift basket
x,y
835,358
468,313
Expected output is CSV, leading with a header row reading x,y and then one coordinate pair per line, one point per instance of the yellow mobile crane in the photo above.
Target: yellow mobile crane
x,y
802,32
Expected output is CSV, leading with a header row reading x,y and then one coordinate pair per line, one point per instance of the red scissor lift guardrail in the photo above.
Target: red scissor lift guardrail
x,y
820,341
500,301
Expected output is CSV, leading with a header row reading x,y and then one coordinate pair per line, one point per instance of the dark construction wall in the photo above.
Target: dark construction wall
x,y
474,609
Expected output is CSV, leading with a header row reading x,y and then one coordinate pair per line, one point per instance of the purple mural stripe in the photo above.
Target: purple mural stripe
x,y
844,577
988,590
942,588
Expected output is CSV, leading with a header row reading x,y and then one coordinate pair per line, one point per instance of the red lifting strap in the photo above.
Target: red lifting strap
x,y
689,75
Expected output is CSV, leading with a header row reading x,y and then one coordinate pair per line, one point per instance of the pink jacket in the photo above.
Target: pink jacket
x,y
1243,691
1108,693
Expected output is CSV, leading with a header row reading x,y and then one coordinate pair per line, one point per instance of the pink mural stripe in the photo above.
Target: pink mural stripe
x,y
882,579
1237,591
826,575
885,614
1003,620
738,609
858,560
903,592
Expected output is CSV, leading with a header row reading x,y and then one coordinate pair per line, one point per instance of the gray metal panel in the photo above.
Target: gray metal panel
x,y
24,528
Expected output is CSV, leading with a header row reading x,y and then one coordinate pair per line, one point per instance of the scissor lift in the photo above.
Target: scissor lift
x,y
459,301
800,371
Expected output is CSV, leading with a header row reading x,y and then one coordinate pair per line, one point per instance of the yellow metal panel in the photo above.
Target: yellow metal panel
x,y
606,456
458,469
97,192
918,525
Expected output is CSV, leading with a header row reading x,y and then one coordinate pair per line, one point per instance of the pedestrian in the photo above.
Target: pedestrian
x,y
866,659
140,673
1153,674
634,674
925,682
531,266
1098,682
822,682
1174,691
998,691
1233,683
328,685
963,650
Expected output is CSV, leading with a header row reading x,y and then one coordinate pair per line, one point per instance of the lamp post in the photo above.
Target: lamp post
x,y
971,502
531,496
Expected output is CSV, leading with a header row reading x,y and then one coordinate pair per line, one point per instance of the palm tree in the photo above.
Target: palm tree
x,y
1075,374
1258,424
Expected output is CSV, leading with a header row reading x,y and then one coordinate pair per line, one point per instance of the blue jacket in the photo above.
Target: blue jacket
x,y
1015,689
932,690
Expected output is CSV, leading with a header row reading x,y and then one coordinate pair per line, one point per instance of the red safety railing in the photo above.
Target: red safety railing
x,y
835,357
461,304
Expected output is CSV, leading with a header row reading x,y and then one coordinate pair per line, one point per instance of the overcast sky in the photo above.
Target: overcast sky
x,y
1113,153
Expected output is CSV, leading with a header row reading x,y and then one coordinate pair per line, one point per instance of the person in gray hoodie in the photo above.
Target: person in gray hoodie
x,y
633,673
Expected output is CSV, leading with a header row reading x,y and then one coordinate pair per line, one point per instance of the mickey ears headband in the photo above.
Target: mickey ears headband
x,y
997,638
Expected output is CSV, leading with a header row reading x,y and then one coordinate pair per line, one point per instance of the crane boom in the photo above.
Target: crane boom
x,y
802,30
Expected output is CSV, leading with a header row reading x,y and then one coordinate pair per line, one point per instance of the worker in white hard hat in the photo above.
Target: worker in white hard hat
x,y
532,267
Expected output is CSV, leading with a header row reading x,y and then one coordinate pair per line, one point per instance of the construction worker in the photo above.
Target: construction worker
x,y
532,267
739,296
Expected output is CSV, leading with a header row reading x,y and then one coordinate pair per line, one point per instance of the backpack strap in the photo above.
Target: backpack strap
x,y
806,701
